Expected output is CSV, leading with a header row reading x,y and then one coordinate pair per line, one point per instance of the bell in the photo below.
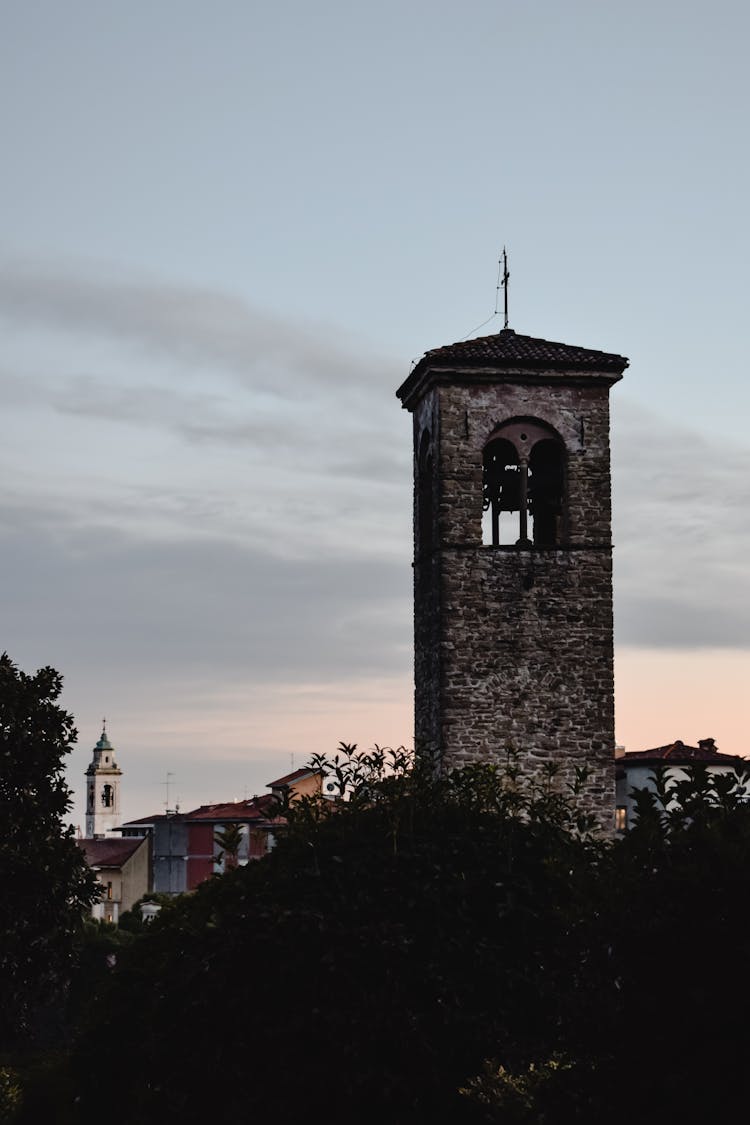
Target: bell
x,y
510,490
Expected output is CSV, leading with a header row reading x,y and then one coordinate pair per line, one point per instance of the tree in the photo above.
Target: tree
x,y
439,949
388,945
45,882
230,841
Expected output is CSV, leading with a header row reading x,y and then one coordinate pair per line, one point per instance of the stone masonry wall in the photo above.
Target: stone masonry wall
x,y
427,590
513,647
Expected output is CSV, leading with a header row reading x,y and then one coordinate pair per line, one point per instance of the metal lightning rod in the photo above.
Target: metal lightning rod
x,y
506,277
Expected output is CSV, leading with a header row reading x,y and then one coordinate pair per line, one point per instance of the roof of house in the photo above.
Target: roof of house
x,y
254,809
509,349
147,821
110,853
678,753
290,778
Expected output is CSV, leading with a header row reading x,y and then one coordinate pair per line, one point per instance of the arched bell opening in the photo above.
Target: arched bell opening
x,y
523,486
546,492
502,491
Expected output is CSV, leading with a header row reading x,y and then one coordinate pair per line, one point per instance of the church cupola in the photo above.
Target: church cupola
x,y
102,789
513,557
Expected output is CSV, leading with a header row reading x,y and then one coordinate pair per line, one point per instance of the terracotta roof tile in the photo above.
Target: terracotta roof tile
x,y
509,349
677,753
512,348
110,853
290,778
256,808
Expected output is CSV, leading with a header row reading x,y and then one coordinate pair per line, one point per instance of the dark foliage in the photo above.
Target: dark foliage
x,y
44,878
442,950
384,949
658,993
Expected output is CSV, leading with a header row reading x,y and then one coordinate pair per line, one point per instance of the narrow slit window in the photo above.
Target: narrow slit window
x,y
425,486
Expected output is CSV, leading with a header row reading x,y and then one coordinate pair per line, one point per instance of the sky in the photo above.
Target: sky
x,y
226,232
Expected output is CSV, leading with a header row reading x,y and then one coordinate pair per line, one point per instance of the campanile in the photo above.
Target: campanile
x,y
102,789
513,557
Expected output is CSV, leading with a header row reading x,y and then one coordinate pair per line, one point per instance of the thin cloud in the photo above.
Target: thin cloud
x,y
307,497
208,606
681,532
194,327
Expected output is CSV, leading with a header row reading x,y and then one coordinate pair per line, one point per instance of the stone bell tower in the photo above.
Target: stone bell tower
x,y
513,557
102,789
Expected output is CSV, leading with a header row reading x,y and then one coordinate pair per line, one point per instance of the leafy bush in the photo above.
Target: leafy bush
x,y
429,949
367,966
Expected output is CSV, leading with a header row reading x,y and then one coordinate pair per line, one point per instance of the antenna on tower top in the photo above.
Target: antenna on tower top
x,y
506,278
502,283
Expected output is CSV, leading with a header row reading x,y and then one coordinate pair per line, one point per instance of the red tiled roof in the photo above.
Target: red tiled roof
x,y
290,778
110,853
257,808
254,808
677,753
509,349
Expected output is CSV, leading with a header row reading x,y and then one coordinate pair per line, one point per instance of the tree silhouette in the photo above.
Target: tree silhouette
x,y
46,883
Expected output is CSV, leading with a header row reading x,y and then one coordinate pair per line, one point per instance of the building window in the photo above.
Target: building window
x,y
425,485
109,891
108,796
523,486
621,818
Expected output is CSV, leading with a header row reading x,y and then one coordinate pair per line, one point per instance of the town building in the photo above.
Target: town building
x,y
638,769
122,867
185,849
206,856
513,558
122,871
167,836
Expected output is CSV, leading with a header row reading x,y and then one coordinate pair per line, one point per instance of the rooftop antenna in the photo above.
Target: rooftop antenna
x,y
502,283
166,786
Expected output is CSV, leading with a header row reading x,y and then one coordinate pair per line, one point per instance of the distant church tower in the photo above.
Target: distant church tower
x,y
102,789
513,557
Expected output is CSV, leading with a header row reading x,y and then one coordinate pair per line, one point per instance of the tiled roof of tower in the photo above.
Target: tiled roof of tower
x,y
516,350
512,350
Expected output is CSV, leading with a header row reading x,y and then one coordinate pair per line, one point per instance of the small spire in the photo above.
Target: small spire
x,y
104,743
